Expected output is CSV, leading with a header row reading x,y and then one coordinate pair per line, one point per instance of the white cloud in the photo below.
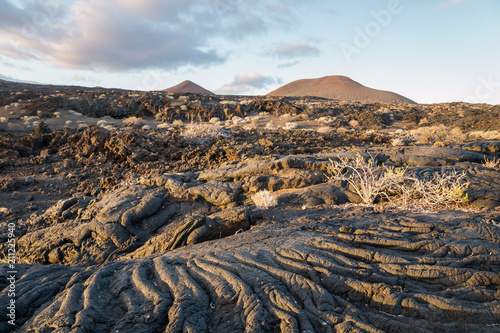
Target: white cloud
x,y
294,50
122,35
246,82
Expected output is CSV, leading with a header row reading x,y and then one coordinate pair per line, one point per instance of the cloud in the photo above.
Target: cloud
x,y
245,82
123,35
295,50
451,3
85,79
11,79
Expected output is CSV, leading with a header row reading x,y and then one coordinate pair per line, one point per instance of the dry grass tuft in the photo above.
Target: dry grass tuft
x,y
132,121
264,200
492,163
438,133
204,133
486,135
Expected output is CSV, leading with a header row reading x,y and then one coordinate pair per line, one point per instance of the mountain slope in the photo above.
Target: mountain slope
x,y
338,87
188,87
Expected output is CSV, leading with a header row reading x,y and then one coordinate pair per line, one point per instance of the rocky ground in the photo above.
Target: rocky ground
x,y
130,219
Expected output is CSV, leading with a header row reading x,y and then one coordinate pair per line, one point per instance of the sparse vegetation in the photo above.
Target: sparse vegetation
x,y
132,121
492,163
364,176
102,123
264,200
373,182
486,135
441,132
439,190
290,126
204,133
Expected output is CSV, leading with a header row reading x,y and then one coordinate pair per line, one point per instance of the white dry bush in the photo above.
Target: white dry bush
x,y
290,126
102,123
264,200
3,119
326,120
364,176
370,182
132,121
486,135
270,126
163,126
438,133
177,122
492,163
398,142
440,190
354,123
204,133
324,130
342,130
214,120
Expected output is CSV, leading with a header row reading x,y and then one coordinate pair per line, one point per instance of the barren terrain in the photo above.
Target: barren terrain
x,y
136,212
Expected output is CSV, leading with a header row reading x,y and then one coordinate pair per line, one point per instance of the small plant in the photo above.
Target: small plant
x,y
486,135
370,182
204,133
398,142
132,121
492,163
290,126
264,200
438,133
102,123
324,130
439,190
367,179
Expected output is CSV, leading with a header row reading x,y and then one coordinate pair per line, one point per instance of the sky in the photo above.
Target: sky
x,y
430,51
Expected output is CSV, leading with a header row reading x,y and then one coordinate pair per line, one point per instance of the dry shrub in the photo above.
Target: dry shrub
x,y
204,133
370,182
488,135
367,179
324,130
438,133
163,126
492,163
440,190
398,142
354,123
290,126
264,200
132,121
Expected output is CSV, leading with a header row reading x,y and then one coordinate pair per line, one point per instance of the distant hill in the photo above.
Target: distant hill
x,y
338,87
188,87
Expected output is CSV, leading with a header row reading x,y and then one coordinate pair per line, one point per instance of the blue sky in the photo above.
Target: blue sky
x,y
427,50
